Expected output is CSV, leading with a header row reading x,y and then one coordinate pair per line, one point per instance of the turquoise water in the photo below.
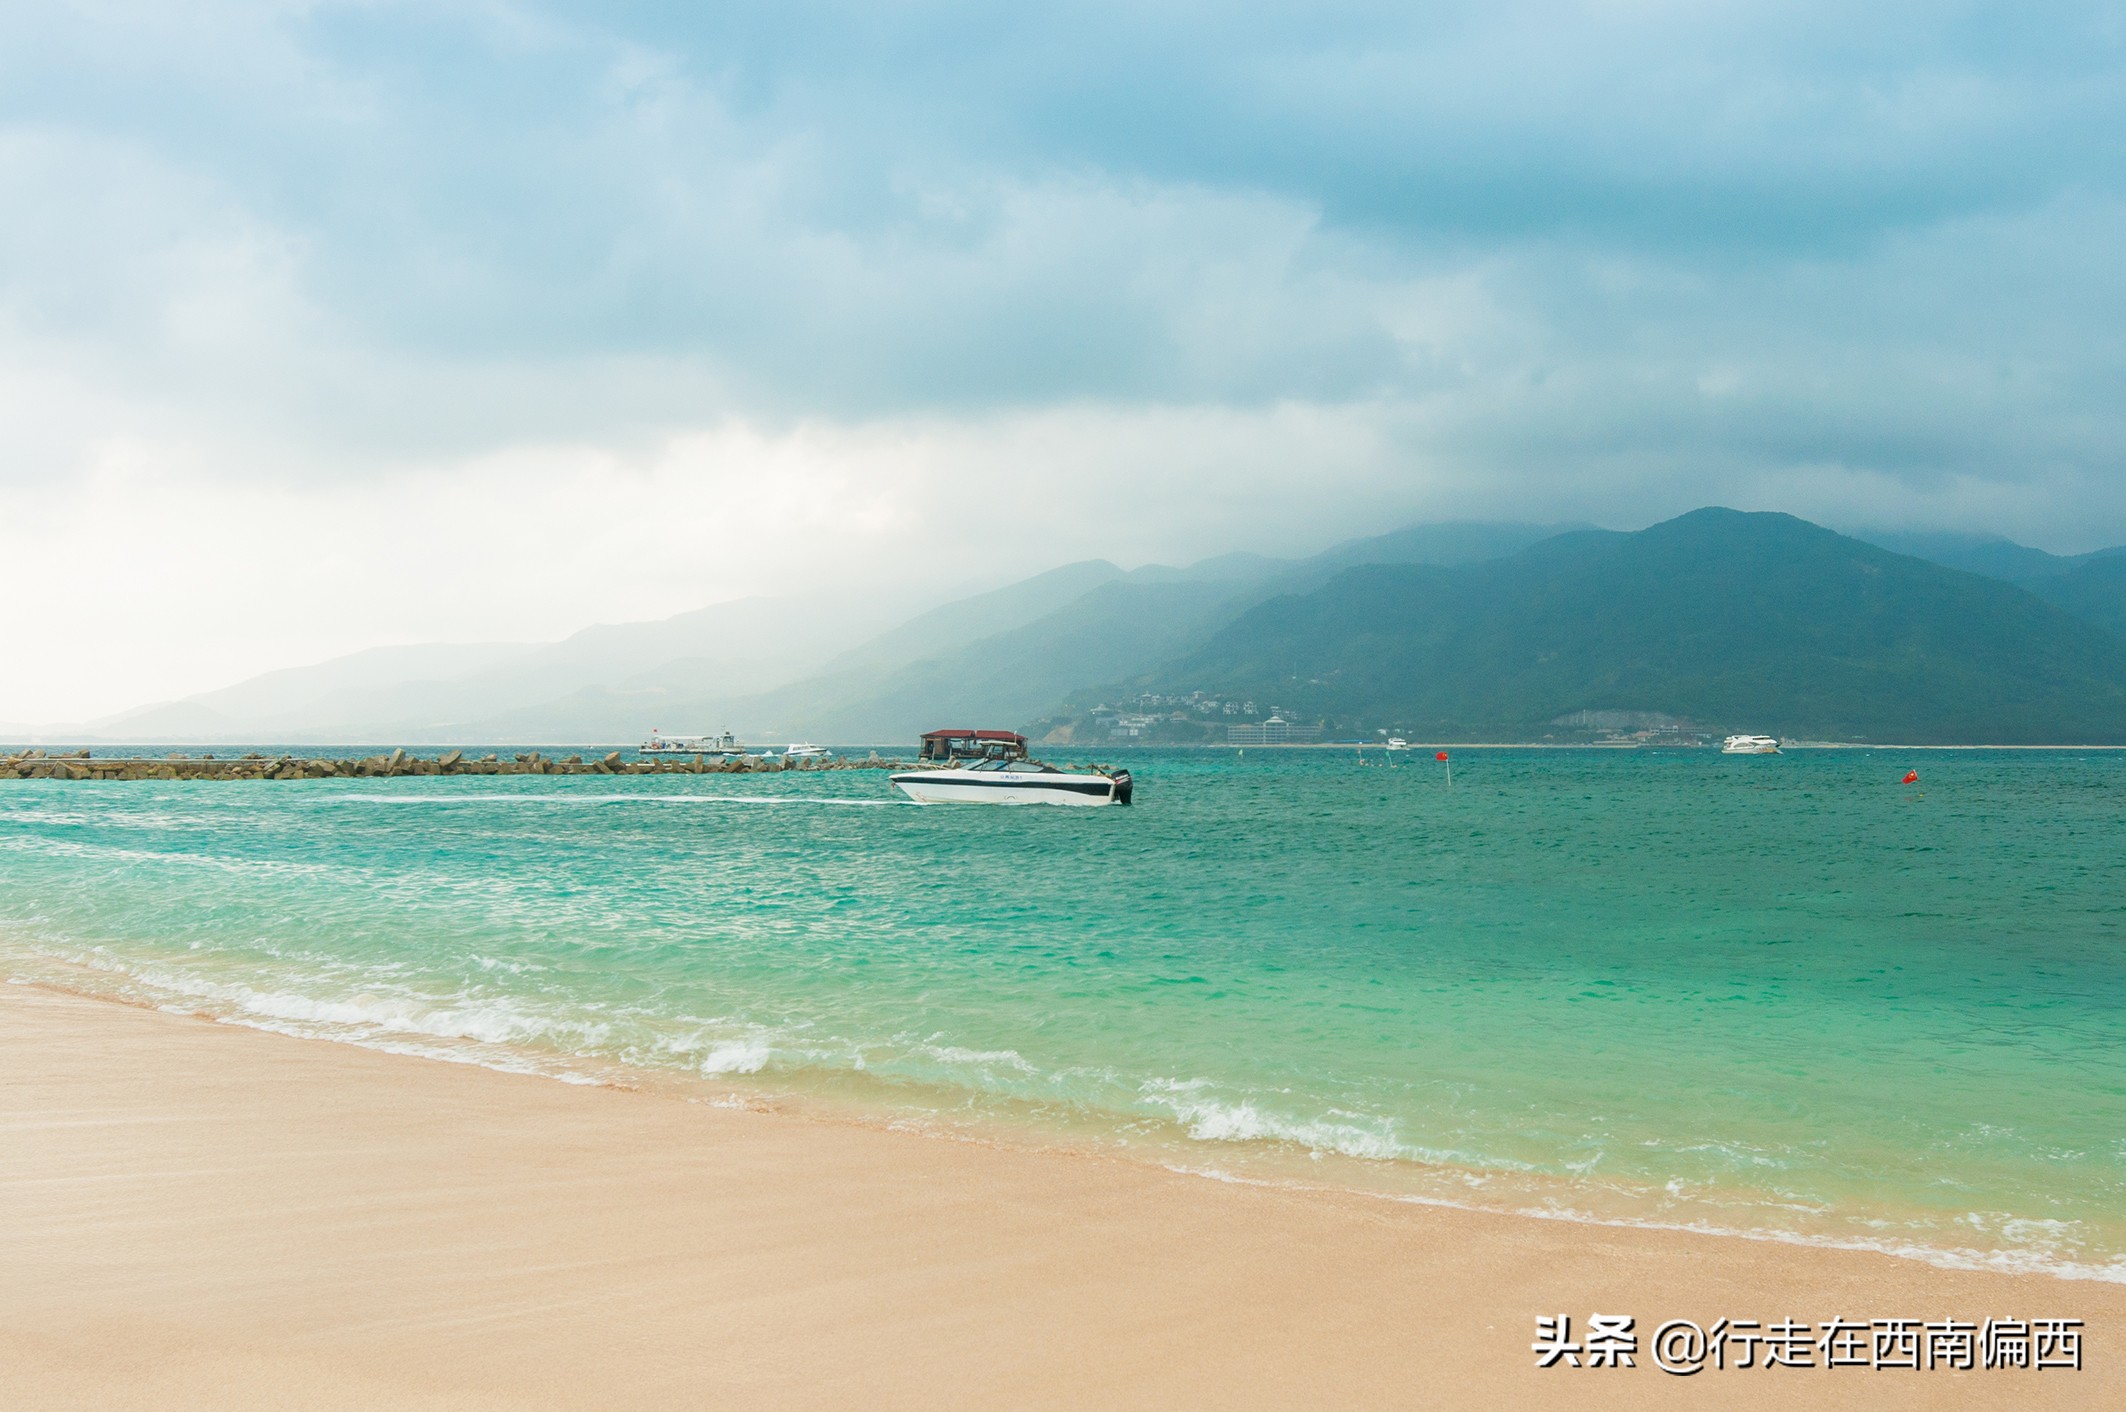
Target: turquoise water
x,y
1783,995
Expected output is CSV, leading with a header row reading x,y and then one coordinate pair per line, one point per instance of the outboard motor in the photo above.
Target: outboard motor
x,y
1121,792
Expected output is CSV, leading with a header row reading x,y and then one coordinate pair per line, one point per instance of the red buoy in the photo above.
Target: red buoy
x,y
1441,756
1911,777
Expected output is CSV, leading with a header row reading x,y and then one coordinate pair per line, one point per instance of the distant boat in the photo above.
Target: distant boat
x,y
1396,742
807,752
992,767
719,745
1750,745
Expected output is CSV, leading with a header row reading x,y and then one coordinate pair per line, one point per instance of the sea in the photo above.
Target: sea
x,y
1789,997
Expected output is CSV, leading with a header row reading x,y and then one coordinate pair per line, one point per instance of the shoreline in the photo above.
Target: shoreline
x,y
1268,1164
215,1215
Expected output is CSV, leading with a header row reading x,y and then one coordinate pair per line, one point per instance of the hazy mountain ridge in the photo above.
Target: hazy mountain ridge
x,y
2094,590
2091,586
1119,628
1736,621
557,690
294,692
844,671
785,669
764,710
1116,629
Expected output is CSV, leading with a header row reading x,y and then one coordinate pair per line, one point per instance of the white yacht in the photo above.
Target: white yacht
x,y
799,751
1396,742
719,745
1750,745
992,767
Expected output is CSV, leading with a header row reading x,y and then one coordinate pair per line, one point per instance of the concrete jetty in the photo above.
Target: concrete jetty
x,y
82,765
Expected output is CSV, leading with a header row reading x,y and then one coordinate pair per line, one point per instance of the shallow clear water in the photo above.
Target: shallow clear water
x,y
1786,995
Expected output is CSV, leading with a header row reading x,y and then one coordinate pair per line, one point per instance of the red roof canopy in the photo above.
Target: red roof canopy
x,y
1012,736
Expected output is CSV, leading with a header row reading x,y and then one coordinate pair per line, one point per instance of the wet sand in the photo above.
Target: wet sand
x,y
203,1216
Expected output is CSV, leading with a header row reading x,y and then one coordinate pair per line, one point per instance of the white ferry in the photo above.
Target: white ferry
x,y
992,767
1750,745
724,745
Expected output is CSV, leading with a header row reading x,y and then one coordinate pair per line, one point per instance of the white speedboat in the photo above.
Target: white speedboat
x,y
1750,745
720,745
798,751
1396,742
992,767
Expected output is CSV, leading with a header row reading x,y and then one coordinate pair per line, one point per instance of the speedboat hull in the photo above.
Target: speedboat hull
x,y
1013,787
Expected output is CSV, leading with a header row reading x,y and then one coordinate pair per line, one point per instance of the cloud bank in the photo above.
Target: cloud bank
x,y
323,325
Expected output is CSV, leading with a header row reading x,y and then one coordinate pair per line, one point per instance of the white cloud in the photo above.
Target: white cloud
x,y
329,325
153,575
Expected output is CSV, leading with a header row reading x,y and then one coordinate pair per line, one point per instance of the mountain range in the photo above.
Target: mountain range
x,y
787,668
1461,630
1732,621
2090,586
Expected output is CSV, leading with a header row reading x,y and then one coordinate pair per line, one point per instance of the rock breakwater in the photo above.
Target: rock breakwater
x,y
82,765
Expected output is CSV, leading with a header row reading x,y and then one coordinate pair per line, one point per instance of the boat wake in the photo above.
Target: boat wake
x,y
459,801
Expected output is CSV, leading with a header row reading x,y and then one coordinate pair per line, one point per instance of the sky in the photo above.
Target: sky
x,y
329,325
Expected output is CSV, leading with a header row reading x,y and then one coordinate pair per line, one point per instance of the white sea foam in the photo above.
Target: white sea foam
x,y
738,1056
1735,1153
2013,1261
480,1019
489,1021
1214,1120
104,853
953,1054
514,968
725,1044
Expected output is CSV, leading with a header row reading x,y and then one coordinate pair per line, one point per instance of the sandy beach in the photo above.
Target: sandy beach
x,y
200,1215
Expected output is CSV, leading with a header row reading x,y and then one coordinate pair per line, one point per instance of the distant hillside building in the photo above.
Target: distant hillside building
x,y
1274,731
1622,721
1130,727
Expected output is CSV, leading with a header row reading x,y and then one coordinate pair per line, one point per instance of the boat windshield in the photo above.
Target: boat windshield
x,y
972,744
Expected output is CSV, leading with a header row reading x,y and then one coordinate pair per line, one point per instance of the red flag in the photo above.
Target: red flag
x,y
1441,756
1911,777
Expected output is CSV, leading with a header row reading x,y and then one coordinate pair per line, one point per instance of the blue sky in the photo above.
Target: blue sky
x,y
1149,281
